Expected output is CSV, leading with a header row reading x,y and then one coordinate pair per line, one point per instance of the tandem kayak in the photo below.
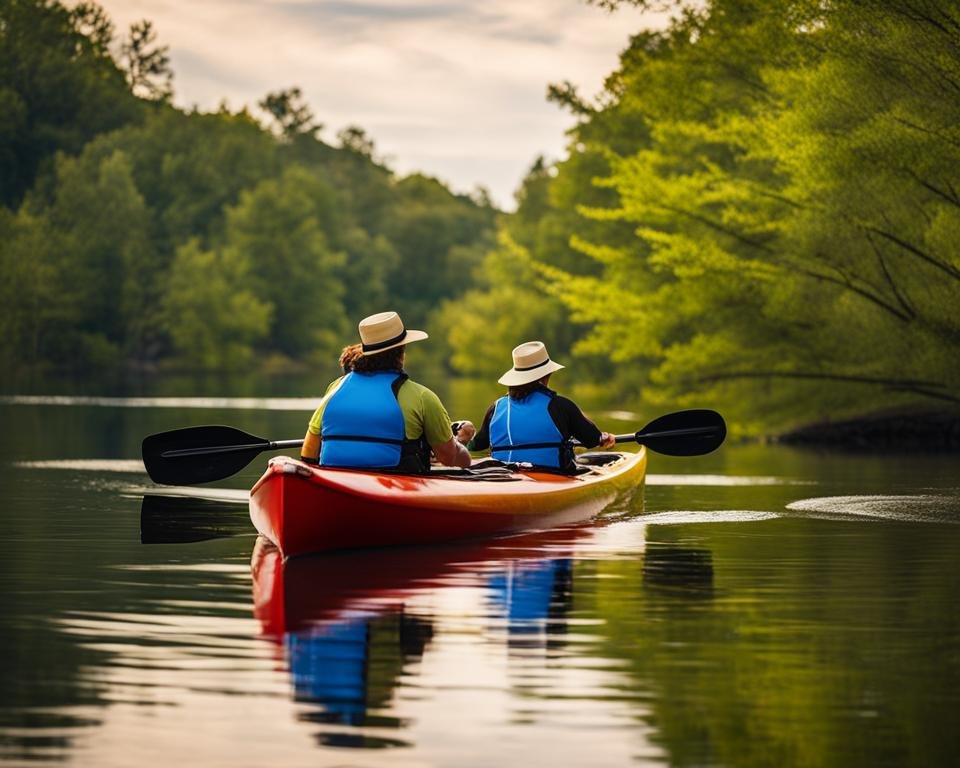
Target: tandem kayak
x,y
303,508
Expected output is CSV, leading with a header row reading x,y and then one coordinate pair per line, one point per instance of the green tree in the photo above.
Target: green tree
x,y
59,87
278,228
290,115
778,192
146,64
429,226
214,319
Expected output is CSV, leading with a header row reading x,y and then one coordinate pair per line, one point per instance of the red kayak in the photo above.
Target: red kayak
x,y
303,508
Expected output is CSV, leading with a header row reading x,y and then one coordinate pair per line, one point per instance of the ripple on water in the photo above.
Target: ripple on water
x,y
128,466
912,508
690,517
723,480
234,403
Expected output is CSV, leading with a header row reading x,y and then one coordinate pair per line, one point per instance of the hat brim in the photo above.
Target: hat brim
x,y
515,378
411,337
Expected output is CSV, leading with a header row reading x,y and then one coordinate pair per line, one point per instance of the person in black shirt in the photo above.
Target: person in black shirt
x,y
532,423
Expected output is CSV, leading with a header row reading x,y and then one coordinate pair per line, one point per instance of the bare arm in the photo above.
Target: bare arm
x,y
310,450
453,454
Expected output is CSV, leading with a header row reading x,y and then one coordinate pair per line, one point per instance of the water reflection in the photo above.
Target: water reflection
x,y
678,570
533,598
350,627
181,519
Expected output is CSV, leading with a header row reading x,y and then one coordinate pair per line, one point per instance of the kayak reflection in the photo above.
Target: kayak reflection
x,y
348,625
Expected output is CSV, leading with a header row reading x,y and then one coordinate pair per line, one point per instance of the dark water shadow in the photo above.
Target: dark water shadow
x,y
182,520
678,571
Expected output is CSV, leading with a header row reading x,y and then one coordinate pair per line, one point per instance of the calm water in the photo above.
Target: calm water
x,y
758,607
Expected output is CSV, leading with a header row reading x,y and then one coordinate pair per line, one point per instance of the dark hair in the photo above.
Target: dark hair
x,y
349,356
522,390
391,360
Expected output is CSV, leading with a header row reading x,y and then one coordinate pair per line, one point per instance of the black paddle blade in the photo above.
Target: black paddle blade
x,y
179,519
684,433
199,454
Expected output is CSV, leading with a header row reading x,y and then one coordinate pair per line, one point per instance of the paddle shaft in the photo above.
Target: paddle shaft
x,y
272,445
639,437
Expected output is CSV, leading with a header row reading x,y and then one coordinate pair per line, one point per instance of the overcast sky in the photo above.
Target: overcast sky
x,y
452,88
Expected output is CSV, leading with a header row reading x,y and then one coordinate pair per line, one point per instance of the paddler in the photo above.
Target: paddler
x,y
374,416
532,423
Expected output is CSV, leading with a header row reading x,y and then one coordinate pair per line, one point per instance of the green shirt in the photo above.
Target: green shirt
x,y
423,413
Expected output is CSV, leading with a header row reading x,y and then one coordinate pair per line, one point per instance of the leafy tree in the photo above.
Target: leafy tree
x,y
278,228
59,87
291,116
778,188
27,287
213,318
426,225
147,65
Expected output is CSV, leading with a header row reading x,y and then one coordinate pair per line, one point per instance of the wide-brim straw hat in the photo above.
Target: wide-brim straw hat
x,y
531,362
384,331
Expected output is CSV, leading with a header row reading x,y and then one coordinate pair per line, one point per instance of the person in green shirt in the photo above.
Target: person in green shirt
x,y
375,417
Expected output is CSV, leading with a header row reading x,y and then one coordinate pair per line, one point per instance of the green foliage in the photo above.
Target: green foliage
x,y
147,65
290,116
430,229
59,87
213,319
759,212
278,229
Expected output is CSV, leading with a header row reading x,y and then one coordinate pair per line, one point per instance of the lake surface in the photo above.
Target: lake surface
x,y
761,606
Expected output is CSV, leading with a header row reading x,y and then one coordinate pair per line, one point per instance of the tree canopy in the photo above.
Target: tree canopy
x,y
759,211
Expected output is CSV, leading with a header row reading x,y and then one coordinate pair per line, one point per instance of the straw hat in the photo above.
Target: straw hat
x,y
530,363
384,331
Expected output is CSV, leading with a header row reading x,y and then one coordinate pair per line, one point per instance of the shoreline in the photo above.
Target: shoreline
x,y
931,431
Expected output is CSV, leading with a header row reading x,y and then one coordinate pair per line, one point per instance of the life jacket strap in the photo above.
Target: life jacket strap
x,y
360,439
510,447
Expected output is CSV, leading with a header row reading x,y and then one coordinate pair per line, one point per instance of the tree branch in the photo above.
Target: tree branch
x,y
916,386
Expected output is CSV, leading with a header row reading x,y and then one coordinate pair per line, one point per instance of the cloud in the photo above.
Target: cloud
x,y
453,88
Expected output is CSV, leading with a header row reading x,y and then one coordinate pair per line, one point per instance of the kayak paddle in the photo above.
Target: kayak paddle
x,y
684,433
204,454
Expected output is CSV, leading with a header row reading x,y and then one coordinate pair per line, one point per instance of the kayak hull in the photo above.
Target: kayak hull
x,y
303,508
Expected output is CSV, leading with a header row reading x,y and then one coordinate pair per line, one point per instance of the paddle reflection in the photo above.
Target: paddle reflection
x,y
187,519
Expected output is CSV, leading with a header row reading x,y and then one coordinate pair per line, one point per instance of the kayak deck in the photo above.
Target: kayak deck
x,y
303,508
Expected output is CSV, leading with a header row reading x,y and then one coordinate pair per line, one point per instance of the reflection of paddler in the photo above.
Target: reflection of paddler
x,y
352,664
530,595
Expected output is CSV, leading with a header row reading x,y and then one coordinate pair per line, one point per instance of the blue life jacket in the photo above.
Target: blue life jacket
x,y
328,665
523,431
362,425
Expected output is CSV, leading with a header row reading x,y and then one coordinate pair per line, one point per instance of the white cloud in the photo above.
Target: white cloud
x,y
452,88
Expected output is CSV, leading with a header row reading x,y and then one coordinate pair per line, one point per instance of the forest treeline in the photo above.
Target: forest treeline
x,y
759,212
135,233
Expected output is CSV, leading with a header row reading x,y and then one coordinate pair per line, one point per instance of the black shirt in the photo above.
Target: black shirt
x,y
566,415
